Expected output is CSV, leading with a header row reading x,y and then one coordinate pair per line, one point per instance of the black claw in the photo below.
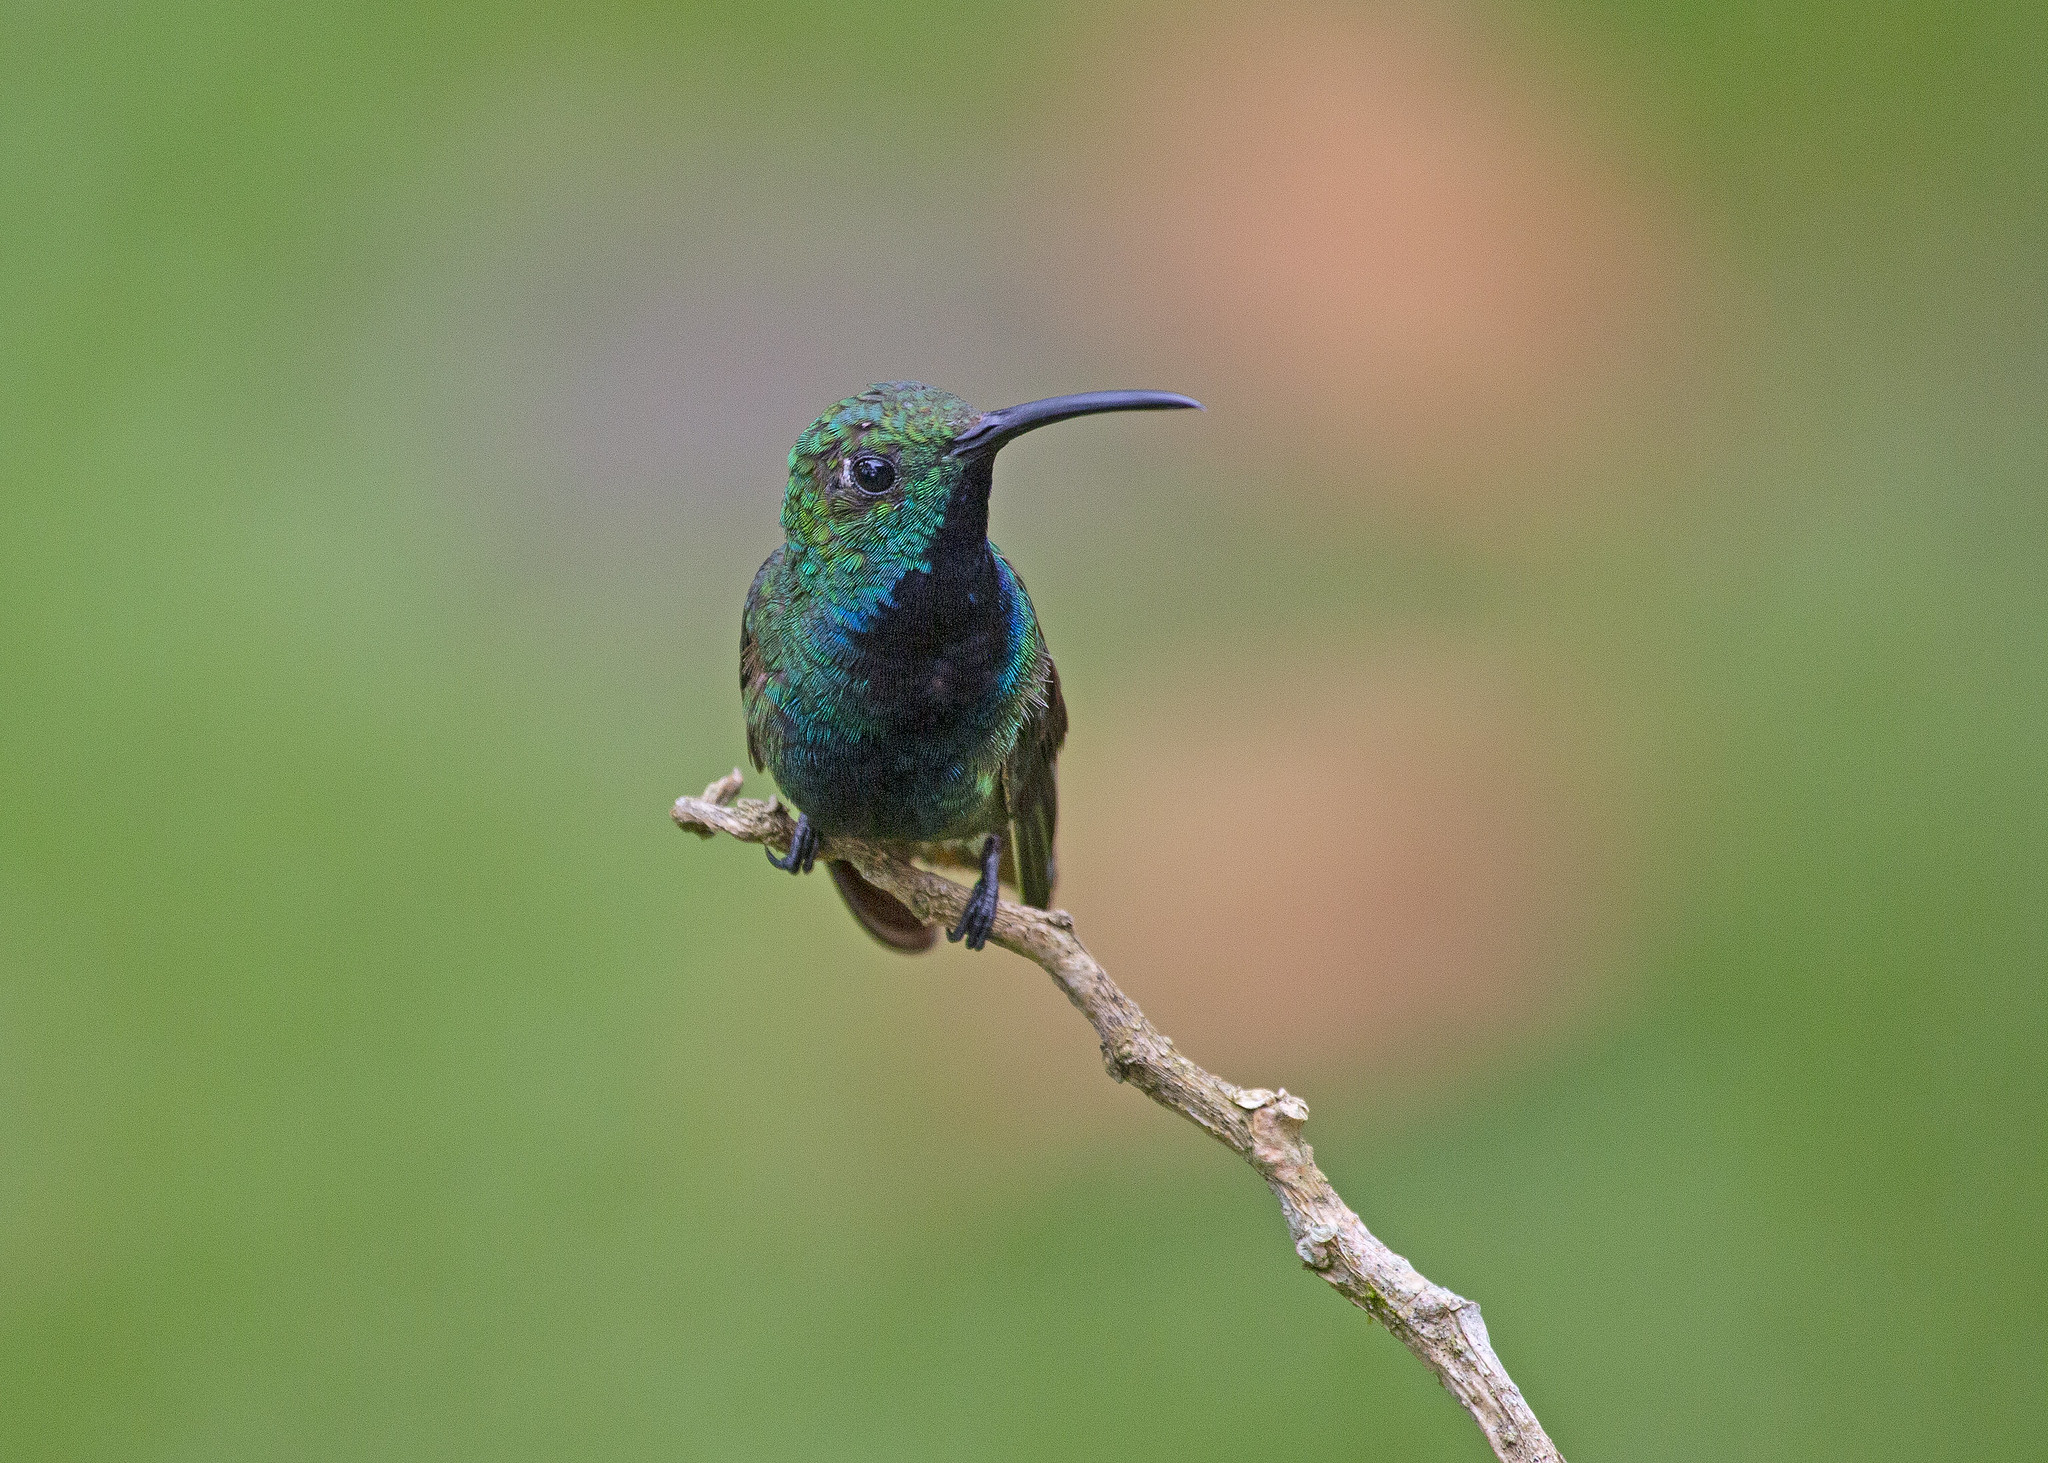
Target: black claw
x,y
803,849
979,917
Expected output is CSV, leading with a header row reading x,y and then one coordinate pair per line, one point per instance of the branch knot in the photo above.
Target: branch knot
x,y
1317,1246
1121,1058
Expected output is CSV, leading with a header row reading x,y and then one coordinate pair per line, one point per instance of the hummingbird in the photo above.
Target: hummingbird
x,y
895,679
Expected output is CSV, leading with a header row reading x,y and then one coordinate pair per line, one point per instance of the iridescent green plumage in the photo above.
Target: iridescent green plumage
x,y
894,675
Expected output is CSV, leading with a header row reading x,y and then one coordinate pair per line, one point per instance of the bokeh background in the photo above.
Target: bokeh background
x,y
1609,576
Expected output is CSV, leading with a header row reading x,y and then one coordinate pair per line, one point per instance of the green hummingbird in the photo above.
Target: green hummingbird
x,y
894,675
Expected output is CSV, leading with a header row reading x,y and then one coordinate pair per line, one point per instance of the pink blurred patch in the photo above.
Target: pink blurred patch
x,y
1381,238
1341,877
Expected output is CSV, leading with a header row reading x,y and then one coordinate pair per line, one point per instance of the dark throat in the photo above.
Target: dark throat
x,y
936,655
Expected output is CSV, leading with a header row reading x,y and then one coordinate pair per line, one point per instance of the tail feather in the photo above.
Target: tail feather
x,y
881,913
1034,793
1032,834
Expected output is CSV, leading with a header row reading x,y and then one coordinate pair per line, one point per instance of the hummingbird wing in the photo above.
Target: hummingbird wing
x,y
880,913
1031,789
754,671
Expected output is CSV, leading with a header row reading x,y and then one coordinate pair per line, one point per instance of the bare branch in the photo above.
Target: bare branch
x,y
1264,1127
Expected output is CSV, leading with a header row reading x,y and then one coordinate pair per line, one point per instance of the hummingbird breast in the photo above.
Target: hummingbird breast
x,y
904,729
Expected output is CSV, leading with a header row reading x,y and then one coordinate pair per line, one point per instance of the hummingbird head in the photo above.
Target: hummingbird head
x,y
871,479
874,480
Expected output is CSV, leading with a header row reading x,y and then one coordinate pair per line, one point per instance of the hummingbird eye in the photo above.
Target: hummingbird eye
x,y
875,475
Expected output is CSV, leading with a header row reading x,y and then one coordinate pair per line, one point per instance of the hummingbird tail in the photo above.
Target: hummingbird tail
x,y
880,913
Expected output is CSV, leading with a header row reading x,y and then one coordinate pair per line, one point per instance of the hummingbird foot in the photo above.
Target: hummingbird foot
x,y
803,849
979,918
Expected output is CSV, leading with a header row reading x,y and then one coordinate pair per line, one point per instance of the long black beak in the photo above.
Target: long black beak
x,y
997,427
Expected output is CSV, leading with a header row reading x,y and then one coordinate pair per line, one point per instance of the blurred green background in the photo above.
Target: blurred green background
x,y
1616,536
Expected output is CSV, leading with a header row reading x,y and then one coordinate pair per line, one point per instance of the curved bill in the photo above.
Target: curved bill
x,y
997,427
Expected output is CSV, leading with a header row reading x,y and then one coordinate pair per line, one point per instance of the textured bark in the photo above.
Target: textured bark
x,y
1264,1127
